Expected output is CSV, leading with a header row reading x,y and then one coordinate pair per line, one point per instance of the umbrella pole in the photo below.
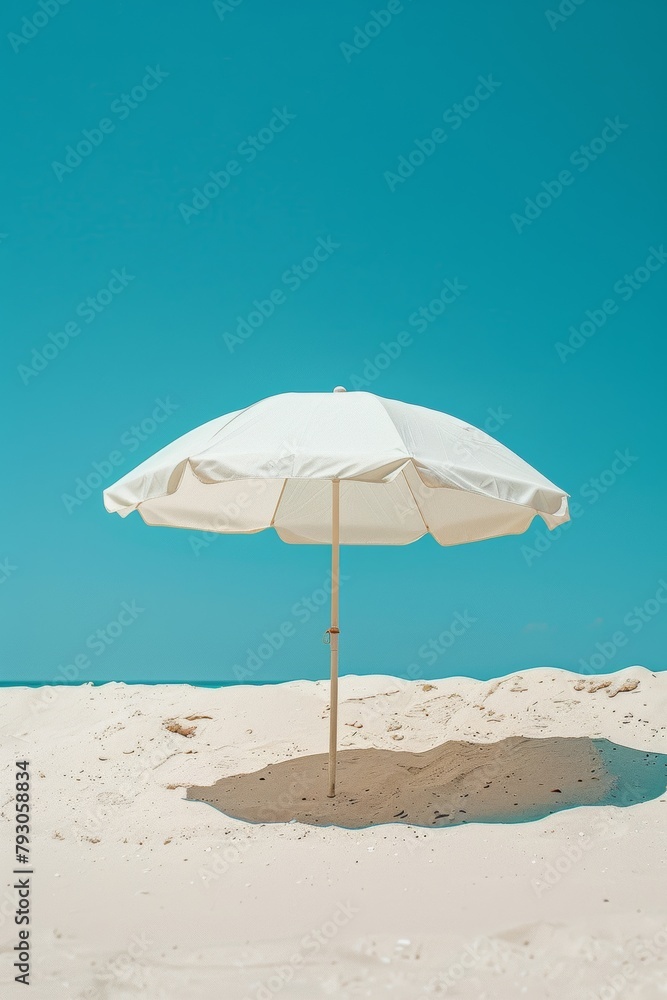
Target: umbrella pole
x,y
333,633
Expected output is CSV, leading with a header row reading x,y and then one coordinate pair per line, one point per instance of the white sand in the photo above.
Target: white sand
x,y
140,892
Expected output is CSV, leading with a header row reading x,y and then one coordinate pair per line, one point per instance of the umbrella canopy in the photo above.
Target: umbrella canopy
x,y
404,471
347,468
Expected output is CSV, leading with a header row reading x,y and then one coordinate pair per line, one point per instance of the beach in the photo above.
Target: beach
x,y
418,880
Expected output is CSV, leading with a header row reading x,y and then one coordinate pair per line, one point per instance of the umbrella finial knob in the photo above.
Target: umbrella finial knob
x,y
340,388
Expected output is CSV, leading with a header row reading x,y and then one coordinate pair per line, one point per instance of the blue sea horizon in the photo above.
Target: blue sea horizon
x,y
194,682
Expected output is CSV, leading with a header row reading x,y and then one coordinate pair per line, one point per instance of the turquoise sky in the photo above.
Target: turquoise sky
x,y
484,185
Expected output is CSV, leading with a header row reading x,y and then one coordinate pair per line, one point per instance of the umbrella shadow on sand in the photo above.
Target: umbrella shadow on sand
x,y
514,780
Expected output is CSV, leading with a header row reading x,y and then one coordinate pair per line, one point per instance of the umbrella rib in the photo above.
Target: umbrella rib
x,y
407,483
272,521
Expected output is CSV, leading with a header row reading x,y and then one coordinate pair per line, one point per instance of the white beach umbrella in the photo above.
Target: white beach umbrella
x,y
347,468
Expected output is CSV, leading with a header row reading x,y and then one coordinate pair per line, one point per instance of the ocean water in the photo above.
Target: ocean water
x,y
113,680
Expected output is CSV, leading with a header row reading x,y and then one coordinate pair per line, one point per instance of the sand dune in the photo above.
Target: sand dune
x,y
142,892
